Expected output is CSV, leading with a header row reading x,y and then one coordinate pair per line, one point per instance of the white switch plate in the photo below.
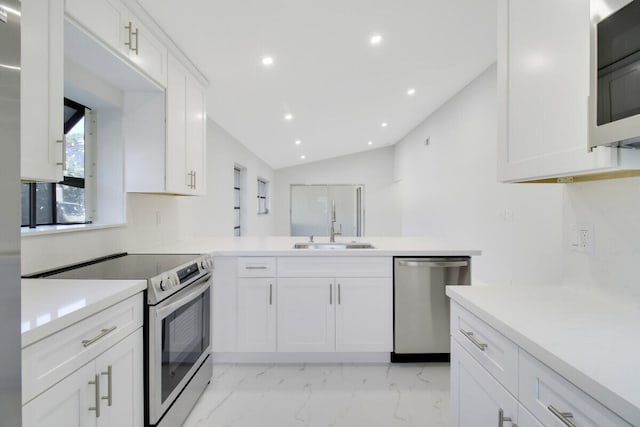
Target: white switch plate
x,y
581,239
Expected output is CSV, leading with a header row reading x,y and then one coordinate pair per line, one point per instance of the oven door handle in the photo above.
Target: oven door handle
x,y
201,284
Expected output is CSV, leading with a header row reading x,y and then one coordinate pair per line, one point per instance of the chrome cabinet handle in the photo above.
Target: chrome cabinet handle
x,y
564,417
102,333
256,267
339,295
195,180
270,293
136,33
109,396
330,294
473,339
96,408
502,419
191,184
128,43
64,152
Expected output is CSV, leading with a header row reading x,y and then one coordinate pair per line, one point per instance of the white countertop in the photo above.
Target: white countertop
x,y
283,246
49,305
591,339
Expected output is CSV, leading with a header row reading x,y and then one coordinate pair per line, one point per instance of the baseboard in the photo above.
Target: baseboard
x,y
301,357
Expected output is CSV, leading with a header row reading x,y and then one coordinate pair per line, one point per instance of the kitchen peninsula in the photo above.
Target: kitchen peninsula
x,y
272,302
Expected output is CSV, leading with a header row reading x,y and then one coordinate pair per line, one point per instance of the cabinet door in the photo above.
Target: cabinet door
x,y
145,50
65,404
256,315
306,315
42,93
121,383
525,419
195,123
364,314
477,399
177,176
554,400
543,86
105,19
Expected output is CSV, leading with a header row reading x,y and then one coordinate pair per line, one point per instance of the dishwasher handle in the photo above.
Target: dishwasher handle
x,y
432,264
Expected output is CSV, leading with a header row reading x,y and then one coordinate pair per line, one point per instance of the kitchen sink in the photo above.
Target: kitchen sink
x,y
352,245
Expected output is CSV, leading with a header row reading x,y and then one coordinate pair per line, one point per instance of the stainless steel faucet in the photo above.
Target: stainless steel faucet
x,y
332,229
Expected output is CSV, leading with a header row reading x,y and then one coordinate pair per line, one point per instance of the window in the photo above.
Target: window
x,y
236,204
63,202
263,203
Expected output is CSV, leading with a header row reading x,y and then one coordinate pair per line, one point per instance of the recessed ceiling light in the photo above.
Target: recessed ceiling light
x,y
375,39
384,124
288,116
267,61
303,157
298,142
411,91
370,143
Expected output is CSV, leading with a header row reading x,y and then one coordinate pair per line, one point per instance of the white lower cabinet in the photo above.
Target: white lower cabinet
x,y
542,396
65,404
265,304
342,314
555,401
306,315
107,391
477,399
121,383
256,314
364,314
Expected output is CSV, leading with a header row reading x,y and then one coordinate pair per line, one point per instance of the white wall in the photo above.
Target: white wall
x,y
373,169
213,215
612,208
448,189
157,219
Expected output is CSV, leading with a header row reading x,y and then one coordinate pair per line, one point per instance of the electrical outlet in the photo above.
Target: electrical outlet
x,y
581,238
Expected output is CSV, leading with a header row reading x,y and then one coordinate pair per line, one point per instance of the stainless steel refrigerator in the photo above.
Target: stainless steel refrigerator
x,y
10,387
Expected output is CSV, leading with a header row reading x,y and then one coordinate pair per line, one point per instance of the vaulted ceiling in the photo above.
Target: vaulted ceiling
x,y
337,85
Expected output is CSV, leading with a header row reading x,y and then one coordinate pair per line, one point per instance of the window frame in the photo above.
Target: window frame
x,y
237,192
264,195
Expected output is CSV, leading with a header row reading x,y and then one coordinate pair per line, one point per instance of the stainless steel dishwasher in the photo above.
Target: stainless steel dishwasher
x,y
421,308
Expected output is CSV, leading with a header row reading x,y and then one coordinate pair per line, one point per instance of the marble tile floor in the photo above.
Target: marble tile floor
x,y
317,395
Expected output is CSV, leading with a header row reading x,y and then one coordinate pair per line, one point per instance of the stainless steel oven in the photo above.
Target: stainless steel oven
x,y
179,350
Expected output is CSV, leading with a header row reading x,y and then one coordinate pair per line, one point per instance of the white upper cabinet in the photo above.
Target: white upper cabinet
x,y
185,132
543,89
41,90
119,29
145,50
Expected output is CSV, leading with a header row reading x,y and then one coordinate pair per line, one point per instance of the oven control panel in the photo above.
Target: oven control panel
x,y
169,282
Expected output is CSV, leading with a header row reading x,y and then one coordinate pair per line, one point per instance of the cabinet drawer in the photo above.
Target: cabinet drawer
x,y
256,267
492,350
335,266
544,392
48,361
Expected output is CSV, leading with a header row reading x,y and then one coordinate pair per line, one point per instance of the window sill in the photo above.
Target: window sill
x,y
43,230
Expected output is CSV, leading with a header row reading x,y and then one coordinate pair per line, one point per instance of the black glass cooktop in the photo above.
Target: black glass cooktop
x,y
120,267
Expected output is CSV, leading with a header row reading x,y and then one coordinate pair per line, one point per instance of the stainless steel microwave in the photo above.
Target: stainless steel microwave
x,y
614,102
